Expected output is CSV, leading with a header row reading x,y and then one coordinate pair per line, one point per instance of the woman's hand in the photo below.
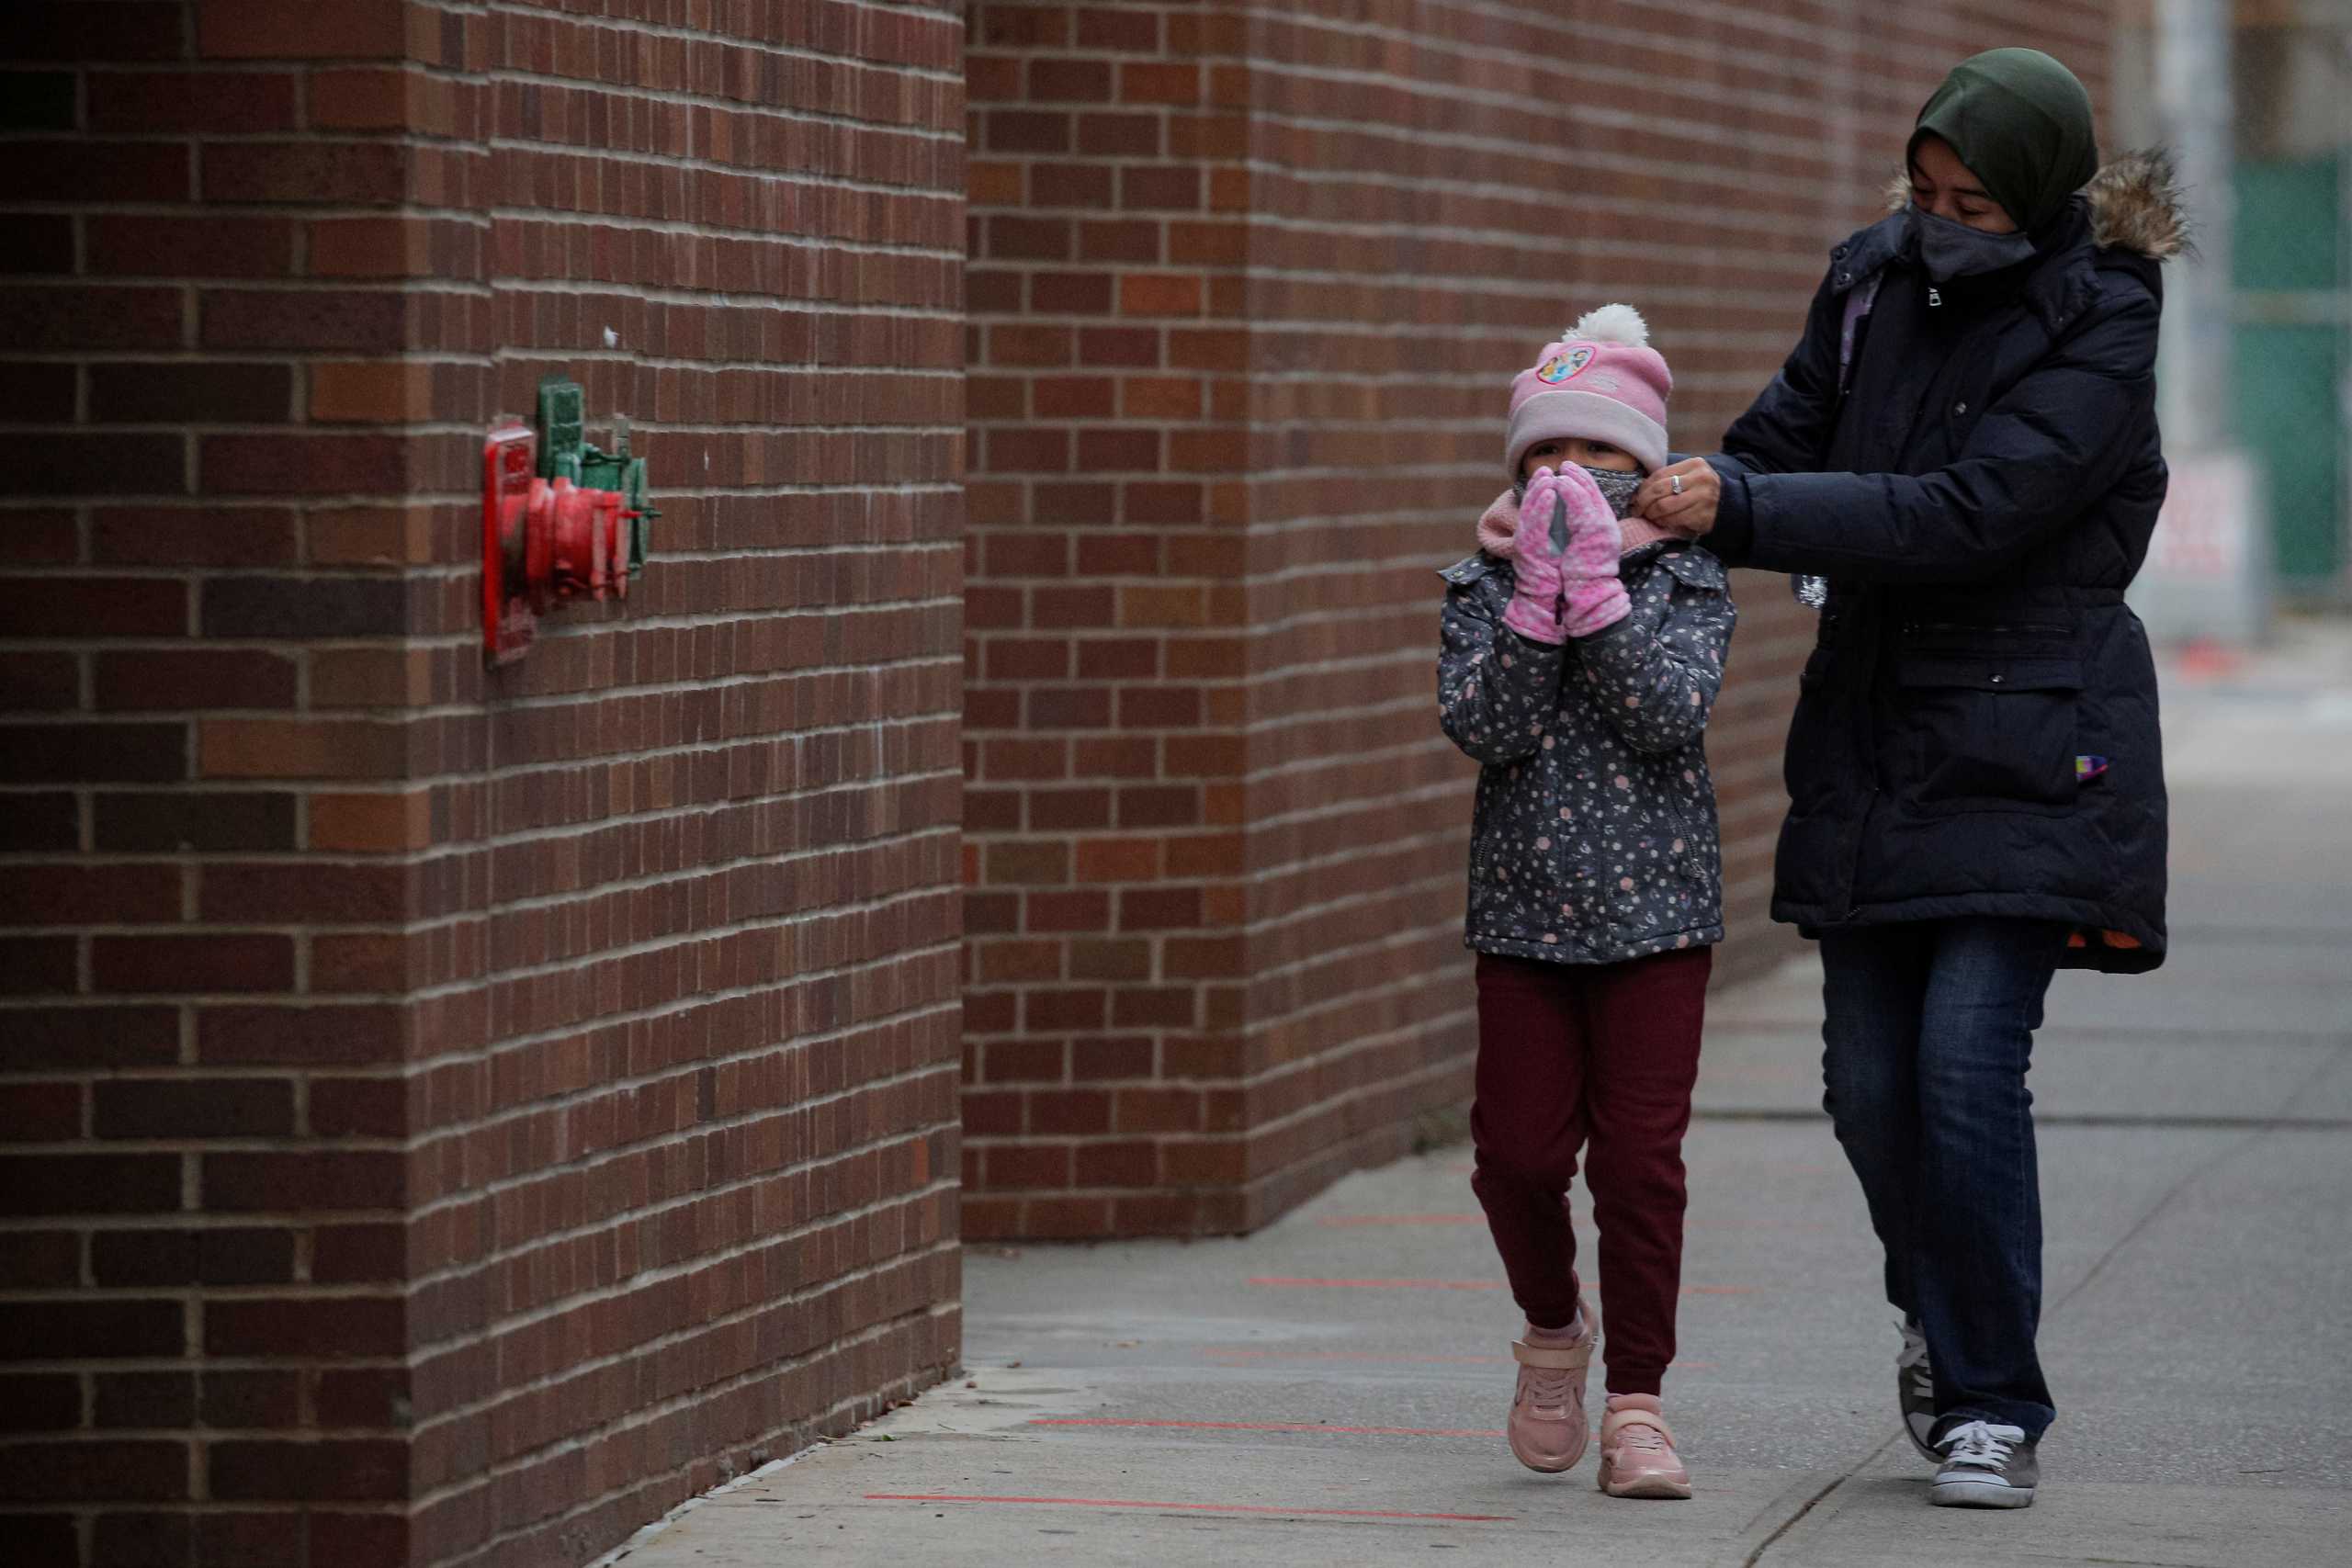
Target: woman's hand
x,y
1687,510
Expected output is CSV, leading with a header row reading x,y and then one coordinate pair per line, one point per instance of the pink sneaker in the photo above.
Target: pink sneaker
x,y
1637,1457
1548,1427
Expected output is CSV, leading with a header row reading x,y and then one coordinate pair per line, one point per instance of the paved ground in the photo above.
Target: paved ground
x,y
1328,1391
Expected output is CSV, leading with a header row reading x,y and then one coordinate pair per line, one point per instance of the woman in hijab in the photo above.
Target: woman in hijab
x,y
1964,446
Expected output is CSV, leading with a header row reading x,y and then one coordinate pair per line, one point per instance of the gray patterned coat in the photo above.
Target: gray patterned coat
x,y
1595,839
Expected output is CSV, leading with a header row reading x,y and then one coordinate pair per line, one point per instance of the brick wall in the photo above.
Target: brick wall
x,y
455,1116
1248,283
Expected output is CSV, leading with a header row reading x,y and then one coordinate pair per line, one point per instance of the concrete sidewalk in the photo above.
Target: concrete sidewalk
x,y
1329,1391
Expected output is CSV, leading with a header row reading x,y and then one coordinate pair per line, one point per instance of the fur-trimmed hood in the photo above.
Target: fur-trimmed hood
x,y
2135,205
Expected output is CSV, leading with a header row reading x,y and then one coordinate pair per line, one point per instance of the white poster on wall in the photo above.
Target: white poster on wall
x,y
2208,573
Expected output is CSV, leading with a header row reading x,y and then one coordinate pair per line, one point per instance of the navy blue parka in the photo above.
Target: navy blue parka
x,y
1977,474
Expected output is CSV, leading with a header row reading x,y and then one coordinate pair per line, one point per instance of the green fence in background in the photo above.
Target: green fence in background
x,y
2293,333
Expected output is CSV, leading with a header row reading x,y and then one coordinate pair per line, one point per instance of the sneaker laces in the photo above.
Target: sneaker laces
x,y
1547,1386
1643,1436
1913,1359
1981,1443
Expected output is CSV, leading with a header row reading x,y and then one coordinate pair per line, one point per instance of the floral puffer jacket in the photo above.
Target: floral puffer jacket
x,y
1595,839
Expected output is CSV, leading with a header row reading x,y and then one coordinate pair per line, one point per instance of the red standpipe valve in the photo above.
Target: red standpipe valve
x,y
543,544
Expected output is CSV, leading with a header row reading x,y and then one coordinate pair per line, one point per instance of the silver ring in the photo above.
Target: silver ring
x,y
1678,482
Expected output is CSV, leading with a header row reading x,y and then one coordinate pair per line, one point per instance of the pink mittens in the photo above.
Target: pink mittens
x,y
1596,598
1564,560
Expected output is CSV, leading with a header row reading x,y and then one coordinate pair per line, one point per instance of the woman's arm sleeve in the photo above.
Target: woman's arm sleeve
x,y
2033,463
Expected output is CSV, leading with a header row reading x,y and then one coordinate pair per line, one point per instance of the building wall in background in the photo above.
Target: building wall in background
x,y
455,1116
1248,286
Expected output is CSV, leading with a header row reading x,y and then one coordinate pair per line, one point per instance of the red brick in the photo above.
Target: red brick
x,y
77,33
89,895
1148,82
1024,130
165,101
364,1107
194,680
345,1179
118,1471
307,893
175,535
33,392
1174,187
192,964
110,465
298,29
204,1108
289,465
330,1327
320,1036
368,962
1112,346
31,1402
93,606
1070,80
88,1184
210,394
1129,32
216,1255
84,1038
84,316
1027,238
339,320
370,823
1120,240
1060,294
83,172
32,537
241,820
38,1112
363,99
40,682
370,247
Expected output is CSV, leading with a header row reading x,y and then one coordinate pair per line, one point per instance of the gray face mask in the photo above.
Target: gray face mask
x,y
1616,489
1949,250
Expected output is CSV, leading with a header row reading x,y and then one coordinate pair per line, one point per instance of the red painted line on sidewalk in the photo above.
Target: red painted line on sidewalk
x,y
1349,1221
1188,1507
1217,1354
1286,1282
1272,1426
1289,1283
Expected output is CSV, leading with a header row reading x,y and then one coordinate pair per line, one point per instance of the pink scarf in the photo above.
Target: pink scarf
x,y
1499,529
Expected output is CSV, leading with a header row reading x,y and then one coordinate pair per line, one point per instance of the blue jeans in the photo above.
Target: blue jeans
x,y
1929,1033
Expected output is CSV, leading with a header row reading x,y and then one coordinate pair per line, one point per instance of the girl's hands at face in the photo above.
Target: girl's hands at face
x,y
1691,515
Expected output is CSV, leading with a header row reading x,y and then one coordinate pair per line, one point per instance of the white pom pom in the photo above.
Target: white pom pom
x,y
1612,323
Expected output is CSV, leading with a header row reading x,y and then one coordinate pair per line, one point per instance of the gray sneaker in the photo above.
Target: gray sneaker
x,y
1985,1466
1915,1389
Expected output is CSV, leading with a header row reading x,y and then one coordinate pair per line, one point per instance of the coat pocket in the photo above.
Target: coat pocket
x,y
1807,768
1990,732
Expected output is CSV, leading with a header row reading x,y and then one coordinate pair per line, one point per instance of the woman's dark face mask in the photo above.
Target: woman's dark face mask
x,y
1948,249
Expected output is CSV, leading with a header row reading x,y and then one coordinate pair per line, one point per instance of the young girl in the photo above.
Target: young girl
x,y
1582,650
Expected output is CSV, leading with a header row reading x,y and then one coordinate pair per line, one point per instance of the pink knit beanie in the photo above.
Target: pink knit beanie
x,y
1601,382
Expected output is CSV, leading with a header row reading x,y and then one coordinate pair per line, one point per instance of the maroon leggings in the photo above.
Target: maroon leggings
x,y
1600,1057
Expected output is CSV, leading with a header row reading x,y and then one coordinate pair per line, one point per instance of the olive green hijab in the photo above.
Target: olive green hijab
x,y
2023,124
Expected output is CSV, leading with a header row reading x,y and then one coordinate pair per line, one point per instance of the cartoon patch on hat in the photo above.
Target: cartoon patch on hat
x,y
1561,366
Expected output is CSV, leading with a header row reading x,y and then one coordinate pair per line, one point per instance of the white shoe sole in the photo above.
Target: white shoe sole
x,y
1979,1495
